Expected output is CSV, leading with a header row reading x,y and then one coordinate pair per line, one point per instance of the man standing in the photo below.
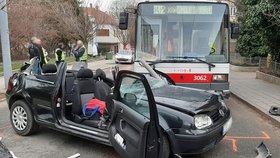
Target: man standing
x,y
59,54
81,55
36,52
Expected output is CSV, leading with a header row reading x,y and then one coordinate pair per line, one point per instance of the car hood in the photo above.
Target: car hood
x,y
185,99
123,56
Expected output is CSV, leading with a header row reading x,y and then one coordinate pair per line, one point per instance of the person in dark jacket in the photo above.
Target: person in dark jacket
x,y
59,54
36,52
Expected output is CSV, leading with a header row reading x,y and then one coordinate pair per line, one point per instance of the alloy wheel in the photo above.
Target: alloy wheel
x,y
19,118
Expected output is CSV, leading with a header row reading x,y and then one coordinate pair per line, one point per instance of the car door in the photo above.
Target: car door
x,y
43,94
134,130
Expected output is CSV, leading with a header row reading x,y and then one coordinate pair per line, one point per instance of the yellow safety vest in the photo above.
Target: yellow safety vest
x,y
62,55
85,55
45,55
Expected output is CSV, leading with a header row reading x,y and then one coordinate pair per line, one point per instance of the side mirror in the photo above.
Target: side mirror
x,y
235,31
130,98
123,23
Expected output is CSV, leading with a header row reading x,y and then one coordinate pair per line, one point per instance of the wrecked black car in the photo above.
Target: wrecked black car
x,y
144,116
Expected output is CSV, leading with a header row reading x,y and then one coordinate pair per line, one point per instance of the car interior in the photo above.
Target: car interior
x,y
80,87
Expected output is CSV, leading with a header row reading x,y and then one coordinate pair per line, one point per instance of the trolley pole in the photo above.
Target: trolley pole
x,y
5,42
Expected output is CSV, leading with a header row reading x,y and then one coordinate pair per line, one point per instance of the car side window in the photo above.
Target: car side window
x,y
133,94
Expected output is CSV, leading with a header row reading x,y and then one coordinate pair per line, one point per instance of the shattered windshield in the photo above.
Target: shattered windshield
x,y
182,29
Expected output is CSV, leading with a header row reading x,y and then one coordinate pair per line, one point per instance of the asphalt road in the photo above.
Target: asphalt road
x,y
249,129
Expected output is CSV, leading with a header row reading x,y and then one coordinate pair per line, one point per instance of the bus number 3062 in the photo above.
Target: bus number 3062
x,y
200,78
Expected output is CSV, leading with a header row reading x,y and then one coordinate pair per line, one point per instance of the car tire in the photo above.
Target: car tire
x,y
22,119
166,147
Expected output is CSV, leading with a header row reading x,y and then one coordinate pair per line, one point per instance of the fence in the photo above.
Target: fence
x,y
272,67
239,60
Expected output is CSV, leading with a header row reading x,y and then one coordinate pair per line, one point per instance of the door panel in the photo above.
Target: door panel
x,y
131,126
134,130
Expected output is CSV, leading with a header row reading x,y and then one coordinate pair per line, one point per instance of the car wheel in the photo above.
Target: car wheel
x,y
166,147
22,119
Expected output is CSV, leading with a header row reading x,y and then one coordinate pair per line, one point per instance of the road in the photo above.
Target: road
x,y
248,130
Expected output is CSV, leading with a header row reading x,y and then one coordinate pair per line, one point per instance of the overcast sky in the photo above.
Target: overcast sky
x,y
104,4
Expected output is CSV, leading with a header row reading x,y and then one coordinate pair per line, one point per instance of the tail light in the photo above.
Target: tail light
x,y
10,84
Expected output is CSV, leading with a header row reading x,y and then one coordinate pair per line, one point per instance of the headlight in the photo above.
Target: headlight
x,y
202,121
219,78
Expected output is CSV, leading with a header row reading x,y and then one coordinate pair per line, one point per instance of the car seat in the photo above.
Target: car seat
x,y
84,89
101,88
48,73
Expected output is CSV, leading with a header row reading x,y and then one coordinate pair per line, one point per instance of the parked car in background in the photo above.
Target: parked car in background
x,y
124,56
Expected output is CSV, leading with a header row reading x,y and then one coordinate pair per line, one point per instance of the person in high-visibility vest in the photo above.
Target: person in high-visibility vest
x,y
80,53
59,54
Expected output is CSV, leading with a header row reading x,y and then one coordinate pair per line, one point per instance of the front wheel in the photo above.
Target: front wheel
x,y
22,119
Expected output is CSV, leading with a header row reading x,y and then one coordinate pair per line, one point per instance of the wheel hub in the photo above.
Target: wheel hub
x,y
19,118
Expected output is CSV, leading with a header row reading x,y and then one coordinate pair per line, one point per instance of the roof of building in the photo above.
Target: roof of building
x,y
99,16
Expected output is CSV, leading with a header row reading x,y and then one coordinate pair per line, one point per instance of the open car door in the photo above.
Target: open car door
x,y
134,130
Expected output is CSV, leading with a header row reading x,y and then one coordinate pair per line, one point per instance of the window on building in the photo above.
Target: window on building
x,y
103,32
233,11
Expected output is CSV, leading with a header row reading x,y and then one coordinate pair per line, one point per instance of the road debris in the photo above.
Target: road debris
x,y
263,151
75,155
4,152
274,110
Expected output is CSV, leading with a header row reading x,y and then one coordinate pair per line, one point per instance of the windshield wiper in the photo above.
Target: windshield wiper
x,y
196,58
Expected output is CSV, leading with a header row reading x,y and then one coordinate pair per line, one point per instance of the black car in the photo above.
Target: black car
x,y
144,116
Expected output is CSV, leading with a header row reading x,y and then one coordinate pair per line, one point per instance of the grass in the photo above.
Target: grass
x,y
16,65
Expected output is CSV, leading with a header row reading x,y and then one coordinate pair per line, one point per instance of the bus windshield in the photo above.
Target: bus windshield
x,y
169,30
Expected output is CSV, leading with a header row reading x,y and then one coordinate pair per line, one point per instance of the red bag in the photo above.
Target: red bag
x,y
95,102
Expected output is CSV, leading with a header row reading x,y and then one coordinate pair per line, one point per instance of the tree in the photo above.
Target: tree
x,y
125,36
259,28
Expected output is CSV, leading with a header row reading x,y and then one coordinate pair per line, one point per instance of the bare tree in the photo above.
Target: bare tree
x,y
125,36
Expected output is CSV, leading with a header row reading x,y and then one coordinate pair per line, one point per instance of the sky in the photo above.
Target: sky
x,y
104,4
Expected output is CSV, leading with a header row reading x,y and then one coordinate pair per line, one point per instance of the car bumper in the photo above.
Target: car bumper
x,y
197,144
123,60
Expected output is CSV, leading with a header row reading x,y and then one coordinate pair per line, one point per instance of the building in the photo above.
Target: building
x,y
105,38
232,10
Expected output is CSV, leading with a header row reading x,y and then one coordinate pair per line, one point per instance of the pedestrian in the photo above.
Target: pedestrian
x,y
36,55
59,54
81,55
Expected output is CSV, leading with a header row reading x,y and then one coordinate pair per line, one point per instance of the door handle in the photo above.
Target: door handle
x,y
121,110
122,124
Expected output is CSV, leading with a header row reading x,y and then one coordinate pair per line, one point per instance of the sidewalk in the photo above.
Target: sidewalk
x,y
103,64
258,93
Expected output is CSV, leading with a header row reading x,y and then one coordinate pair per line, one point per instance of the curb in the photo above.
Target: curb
x,y
262,113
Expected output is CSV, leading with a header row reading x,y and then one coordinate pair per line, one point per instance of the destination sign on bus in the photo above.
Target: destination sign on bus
x,y
173,9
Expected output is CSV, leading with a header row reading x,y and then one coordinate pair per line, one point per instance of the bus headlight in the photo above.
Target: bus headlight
x,y
219,78
202,121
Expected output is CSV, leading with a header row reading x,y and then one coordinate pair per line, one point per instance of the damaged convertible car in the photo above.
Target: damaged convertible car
x,y
143,115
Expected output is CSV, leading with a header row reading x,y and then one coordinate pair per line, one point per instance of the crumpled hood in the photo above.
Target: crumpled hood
x,y
186,99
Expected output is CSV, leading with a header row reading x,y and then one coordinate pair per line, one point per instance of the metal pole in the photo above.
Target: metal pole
x,y
5,42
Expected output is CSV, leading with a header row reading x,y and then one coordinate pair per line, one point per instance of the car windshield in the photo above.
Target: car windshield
x,y
167,30
124,52
137,86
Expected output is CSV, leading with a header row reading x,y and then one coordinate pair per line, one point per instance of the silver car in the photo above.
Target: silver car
x,y
124,56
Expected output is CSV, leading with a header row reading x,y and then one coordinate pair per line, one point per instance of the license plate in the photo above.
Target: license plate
x,y
227,126
119,140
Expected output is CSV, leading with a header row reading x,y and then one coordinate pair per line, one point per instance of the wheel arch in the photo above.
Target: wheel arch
x,y
166,132
15,98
